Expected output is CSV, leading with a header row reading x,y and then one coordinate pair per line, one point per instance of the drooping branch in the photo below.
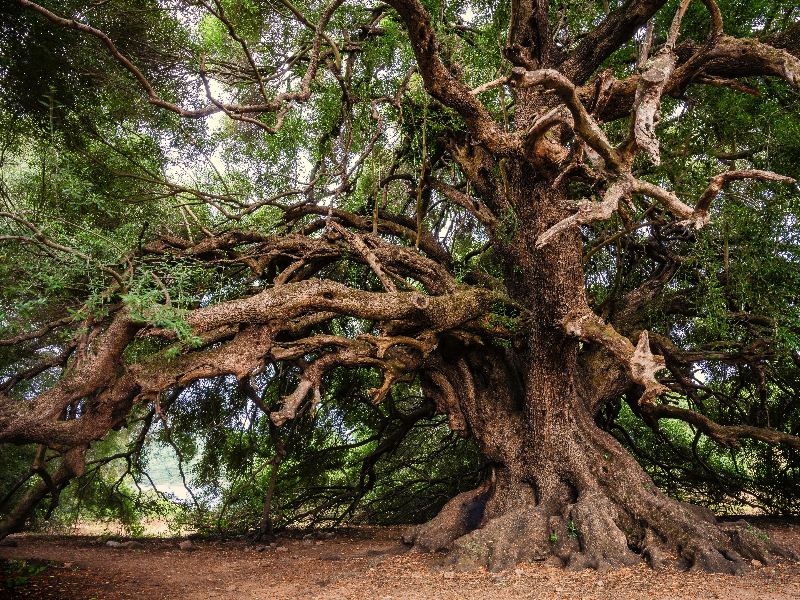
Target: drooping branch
x,y
718,182
727,435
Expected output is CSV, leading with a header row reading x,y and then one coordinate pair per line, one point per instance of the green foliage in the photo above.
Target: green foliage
x,y
572,531
17,574
692,468
351,462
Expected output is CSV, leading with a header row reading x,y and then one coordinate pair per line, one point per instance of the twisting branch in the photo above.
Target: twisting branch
x,y
718,182
235,114
589,212
650,89
359,246
639,362
315,29
351,353
585,126
624,186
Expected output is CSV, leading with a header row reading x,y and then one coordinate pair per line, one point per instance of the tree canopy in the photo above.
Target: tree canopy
x,y
539,256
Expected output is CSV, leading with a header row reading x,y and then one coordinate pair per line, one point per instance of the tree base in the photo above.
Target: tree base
x,y
594,533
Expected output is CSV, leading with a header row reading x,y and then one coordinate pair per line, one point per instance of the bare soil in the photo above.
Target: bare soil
x,y
355,564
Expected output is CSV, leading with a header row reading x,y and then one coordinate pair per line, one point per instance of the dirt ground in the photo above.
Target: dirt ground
x,y
364,564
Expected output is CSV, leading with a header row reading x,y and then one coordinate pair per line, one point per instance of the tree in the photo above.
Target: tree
x,y
533,211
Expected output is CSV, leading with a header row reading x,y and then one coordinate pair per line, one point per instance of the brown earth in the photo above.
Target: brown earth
x,y
357,564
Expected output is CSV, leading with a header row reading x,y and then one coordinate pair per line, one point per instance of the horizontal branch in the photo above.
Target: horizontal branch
x,y
724,434
294,299
38,333
718,182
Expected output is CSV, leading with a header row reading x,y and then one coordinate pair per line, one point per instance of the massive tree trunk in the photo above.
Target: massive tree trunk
x,y
561,489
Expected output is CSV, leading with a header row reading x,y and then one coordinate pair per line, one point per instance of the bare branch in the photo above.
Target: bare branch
x,y
490,85
359,246
639,362
668,199
585,125
294,299
644,53
589,212
724,434
473,205
718,182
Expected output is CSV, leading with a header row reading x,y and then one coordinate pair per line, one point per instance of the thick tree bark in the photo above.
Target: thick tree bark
x,y
561,489
71,465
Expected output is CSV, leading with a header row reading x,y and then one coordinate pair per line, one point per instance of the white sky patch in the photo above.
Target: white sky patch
x,y
304,165
215,122
699,374
177,170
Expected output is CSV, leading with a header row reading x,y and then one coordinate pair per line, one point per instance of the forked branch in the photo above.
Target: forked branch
x,y
639,362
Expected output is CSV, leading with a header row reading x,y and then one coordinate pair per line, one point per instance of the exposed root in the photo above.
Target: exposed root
x,y
458,517
595,533
595,520
752,543
585,535
520,535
